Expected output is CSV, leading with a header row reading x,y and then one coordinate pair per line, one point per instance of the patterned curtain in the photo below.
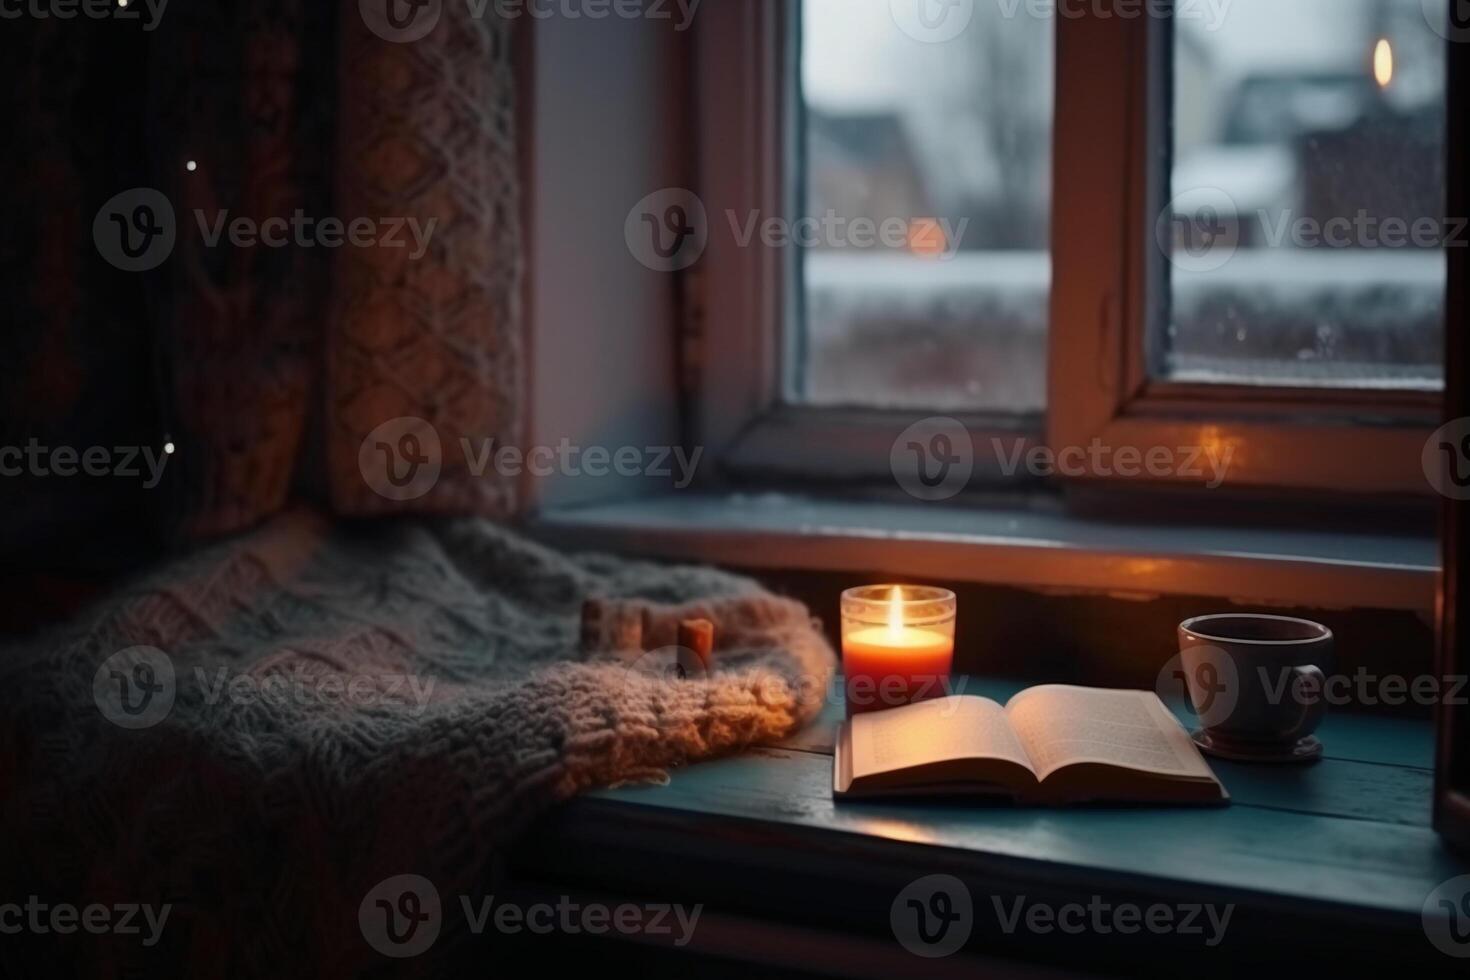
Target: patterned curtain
x,y
424,354
243,89
328,367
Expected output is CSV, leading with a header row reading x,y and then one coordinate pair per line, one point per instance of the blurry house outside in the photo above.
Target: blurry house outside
x,y
1278,108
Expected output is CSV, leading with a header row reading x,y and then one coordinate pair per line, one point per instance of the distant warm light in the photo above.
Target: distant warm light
x,y
927,238
1383,63
191,166
168,448
895,612
122,3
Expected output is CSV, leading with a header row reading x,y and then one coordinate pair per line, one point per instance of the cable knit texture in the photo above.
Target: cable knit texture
x,y
350,705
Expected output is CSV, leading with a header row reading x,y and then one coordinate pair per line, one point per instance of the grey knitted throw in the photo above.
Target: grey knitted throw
x,y
260,733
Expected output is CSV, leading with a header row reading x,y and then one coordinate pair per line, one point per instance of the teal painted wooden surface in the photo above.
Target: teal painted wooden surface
x,y
1352,830
1390,866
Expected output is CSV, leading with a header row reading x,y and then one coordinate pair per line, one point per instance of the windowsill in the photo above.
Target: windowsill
x,y
1010,547
1340,849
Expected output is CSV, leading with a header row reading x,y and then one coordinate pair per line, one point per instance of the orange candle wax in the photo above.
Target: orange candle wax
x,y
895,664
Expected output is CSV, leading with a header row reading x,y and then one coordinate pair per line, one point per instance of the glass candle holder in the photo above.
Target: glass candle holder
x,y
897,645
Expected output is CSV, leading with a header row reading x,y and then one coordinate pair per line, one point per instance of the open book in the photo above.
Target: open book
x,y
1049,744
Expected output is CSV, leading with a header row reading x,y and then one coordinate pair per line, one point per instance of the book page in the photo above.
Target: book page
x,y
938,730
1062,726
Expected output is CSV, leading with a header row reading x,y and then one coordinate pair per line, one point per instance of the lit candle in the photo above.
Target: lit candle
x,y
897,645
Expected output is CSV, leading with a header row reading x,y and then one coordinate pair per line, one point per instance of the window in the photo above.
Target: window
x,y
927,176
1308,185
1103,234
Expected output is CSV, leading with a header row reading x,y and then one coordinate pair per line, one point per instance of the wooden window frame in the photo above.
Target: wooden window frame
x,y
1109,276
1106,275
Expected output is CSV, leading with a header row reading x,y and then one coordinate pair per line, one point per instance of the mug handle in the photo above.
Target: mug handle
x,y
1313,711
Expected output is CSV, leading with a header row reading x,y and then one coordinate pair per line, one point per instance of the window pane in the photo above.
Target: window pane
x,y
1305,231
927,189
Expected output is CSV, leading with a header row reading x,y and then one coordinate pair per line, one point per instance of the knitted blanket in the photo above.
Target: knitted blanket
x,y
260,734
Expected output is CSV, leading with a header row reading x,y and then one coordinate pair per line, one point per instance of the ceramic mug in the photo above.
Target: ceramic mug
x,y
1257,684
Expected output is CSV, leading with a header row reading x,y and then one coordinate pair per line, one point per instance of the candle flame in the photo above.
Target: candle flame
x,y
1383,63
895,612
